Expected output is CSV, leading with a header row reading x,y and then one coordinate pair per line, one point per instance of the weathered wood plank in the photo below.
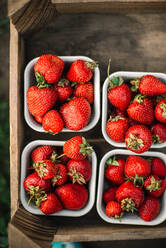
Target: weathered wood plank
x,y
16,65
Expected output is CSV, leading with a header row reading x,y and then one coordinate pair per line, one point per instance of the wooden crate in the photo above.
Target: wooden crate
x,y
133,33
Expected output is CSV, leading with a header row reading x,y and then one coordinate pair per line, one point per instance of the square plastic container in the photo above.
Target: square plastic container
x,y
132,219
105,102
29,78
25,164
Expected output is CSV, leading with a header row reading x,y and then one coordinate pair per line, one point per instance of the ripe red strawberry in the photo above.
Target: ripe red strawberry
x,y
81,71
109,194
114,171
45,169
76,113
52,122
42,153
39,119
33,183
141,109
138,168
61,175
85,90
116,128
51,204
151,86
130,196
72,196
158,167
149,209
158,133
79,171
160,111
155,186
50,67
113,209
77,148
40,100
119,93
138,139
63,90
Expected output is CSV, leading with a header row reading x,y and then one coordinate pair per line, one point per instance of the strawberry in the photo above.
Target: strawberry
x,y
138,139
45,169
72,196
76,113
129,196
77,148
61,175
158,133
34,182
81,71
151,86
52,122
63,90
109,194
79,171
160,111
137,168
158,167
155,186
119,93
39,119
85,90
51,204
113,209
149,209
114,170
41,153
141,109
116,128
40,100
49,68
36,187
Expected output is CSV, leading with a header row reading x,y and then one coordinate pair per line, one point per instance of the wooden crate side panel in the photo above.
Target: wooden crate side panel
x,y
16,129
106,232
15,5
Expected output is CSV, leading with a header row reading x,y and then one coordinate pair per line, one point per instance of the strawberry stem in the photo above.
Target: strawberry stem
x,y
135,84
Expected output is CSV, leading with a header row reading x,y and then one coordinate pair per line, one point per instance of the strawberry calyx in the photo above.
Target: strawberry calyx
x,y
35,193
40,198
91,65
128,205
116,118
163,107
154,185
139,98
114,81
112,161
138,181
55,157
40,168
134,142
156,139
41,83
118,217
63,82
135,84
56,178
50,132
76,176
86,149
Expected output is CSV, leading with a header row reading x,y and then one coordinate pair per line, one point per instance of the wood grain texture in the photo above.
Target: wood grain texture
x,y
16,66
15,5
33,16
40,229
18,239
